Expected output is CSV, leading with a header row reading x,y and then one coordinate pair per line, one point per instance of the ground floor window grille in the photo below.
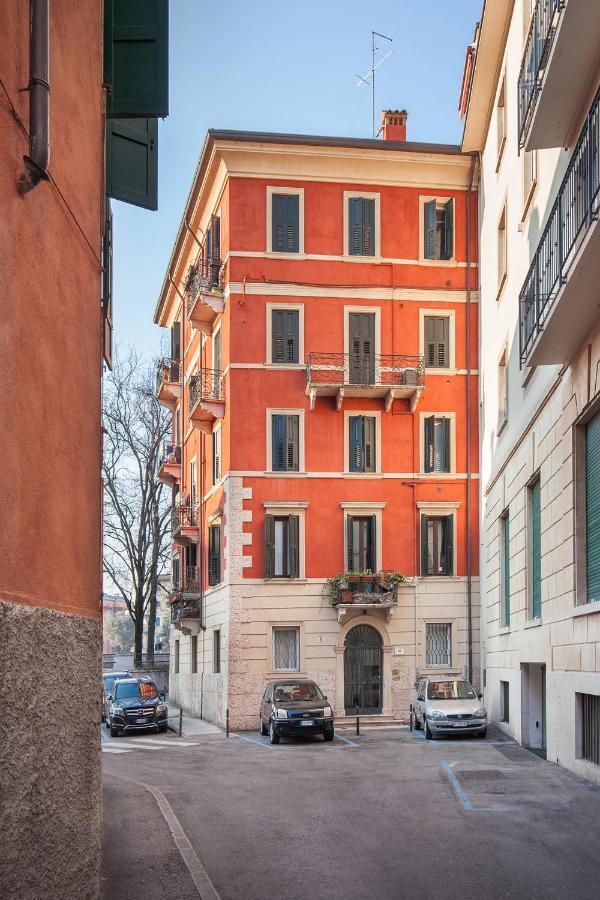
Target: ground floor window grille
x,y
438,644
590,728
286,648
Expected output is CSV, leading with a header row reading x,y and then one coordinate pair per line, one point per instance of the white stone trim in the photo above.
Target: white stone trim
x,y
440,200
284,289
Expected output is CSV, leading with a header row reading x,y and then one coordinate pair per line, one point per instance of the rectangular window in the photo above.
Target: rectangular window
x,y
438,224
361,219
217,651
285,436
285,325
175,572
282,537
216,456
176,342
176,650
361,543
214,554
504,701
501,122
437,342
502,392
437,444
505,570
437,545
590,727
438,644
535,549
286,649
592,508
194,654
361,442
502,261
285,235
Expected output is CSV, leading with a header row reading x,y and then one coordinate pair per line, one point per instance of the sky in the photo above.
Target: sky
x,y
268,65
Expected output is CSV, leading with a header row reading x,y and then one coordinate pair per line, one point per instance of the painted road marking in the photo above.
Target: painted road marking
x,y
468,806
151,740
269,746
106,749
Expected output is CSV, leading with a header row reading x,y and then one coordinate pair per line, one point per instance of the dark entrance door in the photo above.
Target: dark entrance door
x,y
362,348
363,671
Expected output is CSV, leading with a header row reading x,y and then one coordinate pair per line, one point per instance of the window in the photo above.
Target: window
x,y
535,549
214,554
193,486
502,250
176,656
286,649
216,456
361,226
590,727
592,508
362,430
282,538
529,177
176,343
285,438
437,545
175,572
285,223
285,335
502,391
505,570
437,342
438,229
217,651
504,701
501,122
361,543
194,654
438,644
437,447
157,622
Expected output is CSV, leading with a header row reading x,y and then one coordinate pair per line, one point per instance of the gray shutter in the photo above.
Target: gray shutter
x,y
292,428
592,507
269,546
293,329
285,218
429,448
107,288
448,229
437,341
430,341
355,220
356,444
506,570
284,335
372,561
278,432
449,546
349,544
369,443
424,554
536,551
214,554
368,242
294,545
429,228
446,445
132,161
176,341
136,57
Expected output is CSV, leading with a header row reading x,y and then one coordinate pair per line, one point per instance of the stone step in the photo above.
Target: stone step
x,y
366,721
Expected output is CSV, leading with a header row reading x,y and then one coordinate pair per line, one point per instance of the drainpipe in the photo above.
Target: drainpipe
x,y
468,441
36,164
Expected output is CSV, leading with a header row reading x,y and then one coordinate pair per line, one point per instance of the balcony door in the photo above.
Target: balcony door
x,y
363,671
362,348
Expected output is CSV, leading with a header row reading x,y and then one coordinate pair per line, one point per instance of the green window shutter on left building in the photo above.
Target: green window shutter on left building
x,y
132,161
592,507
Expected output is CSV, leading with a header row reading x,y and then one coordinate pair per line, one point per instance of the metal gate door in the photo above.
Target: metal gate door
x,y
363,675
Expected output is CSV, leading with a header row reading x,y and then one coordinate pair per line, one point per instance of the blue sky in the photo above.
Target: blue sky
x,y
268,65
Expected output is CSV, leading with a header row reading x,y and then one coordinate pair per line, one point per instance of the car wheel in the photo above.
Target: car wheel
x,y
114,732
162,729
428,734
328,735
273,735
262,728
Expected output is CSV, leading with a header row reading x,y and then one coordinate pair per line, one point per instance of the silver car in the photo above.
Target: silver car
x,y
449,706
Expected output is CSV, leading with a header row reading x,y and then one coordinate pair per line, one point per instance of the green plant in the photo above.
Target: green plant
x,y
341,581
392,578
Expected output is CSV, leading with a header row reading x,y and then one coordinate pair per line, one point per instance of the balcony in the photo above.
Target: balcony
x,y
364,593
204,288
184,522
169,467
186,612
560,56
340,375
558,304
168,382
207,399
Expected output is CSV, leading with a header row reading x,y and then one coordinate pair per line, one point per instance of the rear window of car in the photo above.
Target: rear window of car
x,y
450,690
293,691
125,690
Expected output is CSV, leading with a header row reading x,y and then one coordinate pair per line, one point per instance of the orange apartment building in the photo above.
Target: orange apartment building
x,y
321,297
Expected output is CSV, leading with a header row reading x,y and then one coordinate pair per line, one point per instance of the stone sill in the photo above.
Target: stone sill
x,y
587,609
533,623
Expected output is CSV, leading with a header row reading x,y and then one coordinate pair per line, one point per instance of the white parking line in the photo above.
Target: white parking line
x,y
106,749
151,740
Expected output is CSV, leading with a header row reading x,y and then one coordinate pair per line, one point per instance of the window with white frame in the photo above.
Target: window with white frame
x,y
437,456
436,341
282,546
438,644
285,220
362,227
285,438
286,648
362,443
437,544
285,336
438,228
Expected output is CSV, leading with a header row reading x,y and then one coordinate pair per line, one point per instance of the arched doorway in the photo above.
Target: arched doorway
x,y
363,670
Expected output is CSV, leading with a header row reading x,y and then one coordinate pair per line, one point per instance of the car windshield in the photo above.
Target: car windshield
x,y
126,690
450,690
297,691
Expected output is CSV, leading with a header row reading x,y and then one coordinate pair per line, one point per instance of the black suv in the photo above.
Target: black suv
x,y
133,704
292,707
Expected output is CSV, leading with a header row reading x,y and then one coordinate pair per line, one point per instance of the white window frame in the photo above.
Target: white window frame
x,y
439,314
270,308
290,508
365,195
440,202
438,415
441,508
365,508
271,411
374,414
283,189
272,627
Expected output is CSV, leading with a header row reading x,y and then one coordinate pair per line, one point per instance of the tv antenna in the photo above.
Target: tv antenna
x,y
364,79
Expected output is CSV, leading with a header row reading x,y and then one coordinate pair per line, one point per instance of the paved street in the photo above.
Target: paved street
x,y
382,815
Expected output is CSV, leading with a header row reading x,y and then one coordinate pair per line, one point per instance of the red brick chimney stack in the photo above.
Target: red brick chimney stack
x,y
393,124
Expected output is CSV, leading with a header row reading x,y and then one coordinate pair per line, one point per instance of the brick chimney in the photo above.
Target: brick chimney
x,y
393,124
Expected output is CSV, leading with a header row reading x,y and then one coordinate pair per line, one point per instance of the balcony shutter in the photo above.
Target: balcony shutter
x,y
107,289
284,337
216,436
214,555
424,553
368,227
448,545
294,545
369,438
429,451
292,428
176,341
447,448
536,551
372,555
269,546
448,229
355,238
278,434
429,217
132,161
592,507
349,544
136,58
356,442
175,572
285,211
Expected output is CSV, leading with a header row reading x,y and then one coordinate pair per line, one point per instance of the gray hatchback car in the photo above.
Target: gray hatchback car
x,y
449,706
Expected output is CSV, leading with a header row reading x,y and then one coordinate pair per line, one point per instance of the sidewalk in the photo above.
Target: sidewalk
x,y
192,726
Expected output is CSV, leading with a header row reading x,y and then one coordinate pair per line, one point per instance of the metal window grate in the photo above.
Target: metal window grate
x,y
438,644
590,728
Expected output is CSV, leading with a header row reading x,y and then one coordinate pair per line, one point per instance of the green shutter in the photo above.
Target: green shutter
x,y
424,554
294,544
132,161
536,551
284,335
368,240
429,448
372,555
446,445
285,217
278,430
448,547
349,544
214,554
292,428
176,341
107,288
136,58
269,546
429,211
355,222
448,230
592,508
356,443
369,443
216,473
505,571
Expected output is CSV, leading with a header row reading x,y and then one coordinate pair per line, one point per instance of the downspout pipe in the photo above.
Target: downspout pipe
x,y
468,436
36,164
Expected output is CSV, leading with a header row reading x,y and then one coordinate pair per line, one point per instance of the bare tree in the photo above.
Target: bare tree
x,y
136,510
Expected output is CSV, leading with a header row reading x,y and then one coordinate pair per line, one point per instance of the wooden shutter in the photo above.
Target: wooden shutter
x,y
136,57
592,507
216,436
447,446
107,288
372,556
369,443
292,429
285,216
294,545
284,336
429,446
536,551
355,220
424,554
215,239
448,567
448,229
349,544
176,341
278,434
269,546
356,444
214,554
437,341
132,161
429,217
368,243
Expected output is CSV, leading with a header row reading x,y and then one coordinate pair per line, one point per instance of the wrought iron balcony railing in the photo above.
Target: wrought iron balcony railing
x,y
184,515
573,213
170,454
168,371
369,589
185,608
537,50
206,385
344,369
205,276
188,581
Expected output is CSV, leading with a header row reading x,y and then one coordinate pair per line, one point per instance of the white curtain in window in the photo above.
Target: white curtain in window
x,y
286,648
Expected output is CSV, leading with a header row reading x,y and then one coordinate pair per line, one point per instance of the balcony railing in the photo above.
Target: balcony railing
x,y
573,213
185,608
184,515
206,386
188,581
168,372
170,454
203,277
367,589
344,369
537,50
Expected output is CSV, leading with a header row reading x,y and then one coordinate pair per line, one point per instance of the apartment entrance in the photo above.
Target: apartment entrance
x,y
363,671
533,707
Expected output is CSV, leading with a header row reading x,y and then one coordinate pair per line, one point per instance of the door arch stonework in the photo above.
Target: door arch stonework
x,y
386,651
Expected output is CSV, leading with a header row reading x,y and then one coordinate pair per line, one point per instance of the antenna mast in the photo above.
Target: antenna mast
x,y
374,49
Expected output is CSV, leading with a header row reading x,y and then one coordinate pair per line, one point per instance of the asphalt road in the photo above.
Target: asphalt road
x,y
385,816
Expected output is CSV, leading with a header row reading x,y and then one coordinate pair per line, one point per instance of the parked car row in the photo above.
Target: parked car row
x,y
132,704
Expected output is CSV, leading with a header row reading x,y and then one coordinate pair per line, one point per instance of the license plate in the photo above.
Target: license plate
x,y
307,722
460,724
139,721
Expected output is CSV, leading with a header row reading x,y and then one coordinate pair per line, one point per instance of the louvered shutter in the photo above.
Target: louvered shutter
x,y
214,555
429,215
592,507
269,546
369,441
448,545
356,442
437,342
429,449
284,337
216,456
293,320
368,242
294,545
107,288
447,447
536,551
176,341
132,161
372,554
291,443
215,239
278,429
355,219
285,214
424,553
175,572
448,229
349,544
430,341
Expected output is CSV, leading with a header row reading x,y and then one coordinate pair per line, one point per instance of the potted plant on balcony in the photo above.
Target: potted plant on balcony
x,y
389,581
338,589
